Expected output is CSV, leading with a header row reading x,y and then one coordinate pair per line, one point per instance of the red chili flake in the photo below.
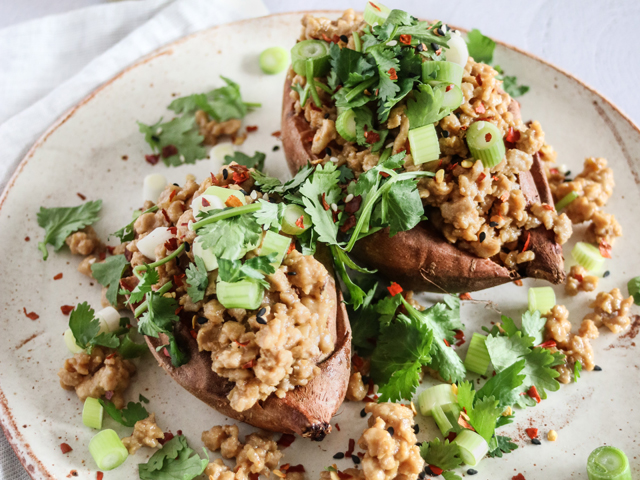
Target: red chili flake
x,y
487,137
99,476
325,38
394,289
407,146
518,282
480,108
300,222
548,344
446,342
375,6
310,138
353,205
357,362
367,399
102,256
479,79
605,249
167,436
171,244
465,296
178,310
173,194
254,476
435,470
286,440
241,344
252,128
548,207
152,159
31,315
392,74
83,197
513,135
166,352
343,475
384,174
531,432
352,446
406,39
233,201
166,215
298,468
194,334
526,243
240,173
371,387
325,205
27,239
169,151
292,247
205,202
349,224
518,477
276,134
481,177
177,279
463,422
335,38
58,276
451,167
371,137
555,171
249,364
65,448
533,393
451,437
66,309
172,230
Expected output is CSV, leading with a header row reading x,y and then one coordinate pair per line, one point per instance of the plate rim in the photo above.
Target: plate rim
x,y
27,457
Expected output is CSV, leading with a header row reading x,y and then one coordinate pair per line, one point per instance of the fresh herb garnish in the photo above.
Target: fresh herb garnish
x,y
256,161
633,286
144,286
270,215
501,444
175,461
128,416
442,455
129,349
60,222
232,237
86,329
253,268
483,413
577,368
319,192
126,233
108,274
197,279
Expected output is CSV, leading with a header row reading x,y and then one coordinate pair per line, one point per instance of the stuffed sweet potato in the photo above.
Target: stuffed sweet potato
x,y
490,217
236,315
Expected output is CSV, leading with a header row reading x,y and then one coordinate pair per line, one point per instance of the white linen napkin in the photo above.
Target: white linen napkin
x,y
50,64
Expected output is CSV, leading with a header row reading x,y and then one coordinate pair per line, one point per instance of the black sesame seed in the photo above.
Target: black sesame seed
x,y
202,320
391,431
428,471
177,261
244,193
606,274
327,151
327,115
440,32
536,441
483,235
418,444
356,459
435,46
471,471
262,311
445,134
225,173
416,429
187,247
420,47
363,413
276,148
292,273
493,224
344,38
567,180
422,475
597,368
568,172
261,320
176,185
339,456
155,138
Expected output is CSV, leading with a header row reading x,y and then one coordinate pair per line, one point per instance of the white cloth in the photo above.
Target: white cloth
x,y
50,64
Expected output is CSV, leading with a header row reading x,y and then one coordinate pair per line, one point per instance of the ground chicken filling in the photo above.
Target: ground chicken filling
x,y
145,434
482,210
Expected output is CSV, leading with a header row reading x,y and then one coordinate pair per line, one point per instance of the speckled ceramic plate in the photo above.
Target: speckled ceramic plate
x,y
96,150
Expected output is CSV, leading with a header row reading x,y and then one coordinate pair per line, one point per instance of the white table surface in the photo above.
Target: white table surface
x,y
596,40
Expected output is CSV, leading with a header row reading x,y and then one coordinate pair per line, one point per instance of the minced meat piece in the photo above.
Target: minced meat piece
x,y
145,433
579,349
223,438
580,280
612,310
356,390
558,325
84,242
603,228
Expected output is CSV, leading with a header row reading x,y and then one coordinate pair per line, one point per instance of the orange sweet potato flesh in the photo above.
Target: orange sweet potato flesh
x,y
422,259
306,410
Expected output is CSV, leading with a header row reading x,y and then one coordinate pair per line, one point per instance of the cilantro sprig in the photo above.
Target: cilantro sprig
x,y
197,279
108,274
175,460
253,268
128,416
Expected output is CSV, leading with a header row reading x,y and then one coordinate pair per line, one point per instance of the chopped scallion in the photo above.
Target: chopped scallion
x,y
424,144
566,200
438,395
107,450
375,13
542,299
242,294
441,420
315,50
275,243
70,342
346,125
485,143
473,447
442,72
294,216
608,463
274,60
92,413
478,358
588,256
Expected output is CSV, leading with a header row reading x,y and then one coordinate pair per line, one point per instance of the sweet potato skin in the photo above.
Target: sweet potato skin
x,y
422,259
306,410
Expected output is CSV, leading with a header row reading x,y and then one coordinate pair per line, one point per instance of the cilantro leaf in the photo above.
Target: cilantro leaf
x,y
144,286
480,47
181,133
84,325
350,66
175,461
356,295
442,455
270,215
505,350
126,233
401,351
60,222
231,238
577,368
108,274
505,385
129,349
256,161
510,85
346,174
128,416
197,279
386,60
266,183
160,315
501,445
426,106
364,330
533,326
423,32
451,476
322,185
106,339
403,206
483,413
254,268
539,370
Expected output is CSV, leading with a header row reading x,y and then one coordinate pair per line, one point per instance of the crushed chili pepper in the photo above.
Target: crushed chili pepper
x,y
167,436
605,249
465,296
487,137
173,230
460,337
335,38
240,343
481,177
296,468
353,205
214,179
513,135
254,476
233,201
169,151
348,224
58,276
240,173
166,216
394,289
518,282
171,244
463,422
384,174
452,436
357,362
325,38
152,159
325,205
446,342
286,440
66,309
480,108
533,393
548,207
26,239
372,137
352,446
375,6
518,477
300,222
252,128
531,432
526,243
436,471
65,448
392,74
83,197
338,426
249,364
343,475
548,344
99,476
276,134
292,247
30,315
406,39
166,353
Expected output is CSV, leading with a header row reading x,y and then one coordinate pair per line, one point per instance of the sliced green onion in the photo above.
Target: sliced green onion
x,y
439,395
375,13
441,420
542,299
275,243
452,96
228,213
385,155
478,359
224,193
485,143
291,219
242,294
312,84
424,144
357,42
566,200
346,125
274,60
107,450
70,342
452,411
442,72
92,413
473,447
588,256
608,463
315,50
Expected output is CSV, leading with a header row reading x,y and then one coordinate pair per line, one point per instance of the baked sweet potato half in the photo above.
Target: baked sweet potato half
x,y
442,253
